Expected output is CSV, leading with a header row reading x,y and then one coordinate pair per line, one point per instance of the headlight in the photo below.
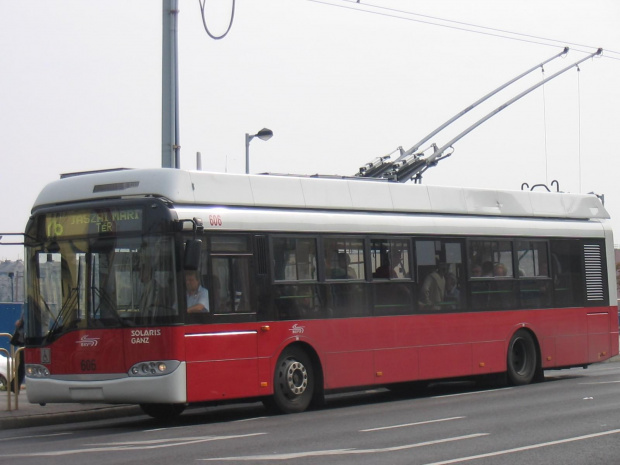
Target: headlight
x,y
37,371
154,368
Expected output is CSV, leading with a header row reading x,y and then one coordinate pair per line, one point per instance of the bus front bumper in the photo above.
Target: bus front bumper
x,y
110,389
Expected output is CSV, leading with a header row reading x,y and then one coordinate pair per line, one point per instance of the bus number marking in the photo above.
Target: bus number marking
x,y
215,220
88,365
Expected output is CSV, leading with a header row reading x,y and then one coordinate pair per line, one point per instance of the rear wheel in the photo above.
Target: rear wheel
x,y
293,382
164,412
522,358
3,383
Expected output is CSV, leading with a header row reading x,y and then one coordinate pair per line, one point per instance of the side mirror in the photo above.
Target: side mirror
x,y
191,259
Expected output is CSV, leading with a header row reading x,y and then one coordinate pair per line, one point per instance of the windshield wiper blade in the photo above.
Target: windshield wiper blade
x,y
64,311
111,305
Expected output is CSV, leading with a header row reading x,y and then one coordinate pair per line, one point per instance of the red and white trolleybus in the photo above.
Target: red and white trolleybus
x,y
312,285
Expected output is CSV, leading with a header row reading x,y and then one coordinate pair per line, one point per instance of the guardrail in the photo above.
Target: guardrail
x,y
12,365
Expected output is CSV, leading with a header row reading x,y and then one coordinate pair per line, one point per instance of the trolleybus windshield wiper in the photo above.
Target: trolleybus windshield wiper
x,y
59,322
111,305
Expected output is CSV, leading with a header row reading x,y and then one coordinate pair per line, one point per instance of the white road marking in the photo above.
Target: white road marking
x,y
249,419
35,436
471,393
406,425
132,445
599,382
526,448
322,453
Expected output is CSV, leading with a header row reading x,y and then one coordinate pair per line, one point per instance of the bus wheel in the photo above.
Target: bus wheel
x,y
164,412
293,382
522,358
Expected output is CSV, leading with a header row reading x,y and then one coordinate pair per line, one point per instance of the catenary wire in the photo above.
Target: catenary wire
x,y
458,25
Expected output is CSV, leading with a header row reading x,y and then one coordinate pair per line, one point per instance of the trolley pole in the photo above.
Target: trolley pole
x,y
170,89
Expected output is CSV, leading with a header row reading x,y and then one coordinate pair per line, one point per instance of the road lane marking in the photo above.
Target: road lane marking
x,y
132,445
323,453
37,436
406,425
525,448
599,382
471,393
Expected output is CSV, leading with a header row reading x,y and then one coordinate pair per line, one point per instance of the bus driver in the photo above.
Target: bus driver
x,y
197,296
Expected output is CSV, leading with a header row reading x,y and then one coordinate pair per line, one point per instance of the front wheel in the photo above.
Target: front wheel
x,y
293,382
164,412
522,358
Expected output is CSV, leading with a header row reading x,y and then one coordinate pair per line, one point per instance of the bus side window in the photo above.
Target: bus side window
x,y
230,271
440,275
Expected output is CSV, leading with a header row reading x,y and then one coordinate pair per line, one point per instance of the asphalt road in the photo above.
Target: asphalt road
x,y
571,418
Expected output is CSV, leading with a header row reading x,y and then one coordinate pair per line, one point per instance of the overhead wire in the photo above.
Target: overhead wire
x,y
456,25
204,20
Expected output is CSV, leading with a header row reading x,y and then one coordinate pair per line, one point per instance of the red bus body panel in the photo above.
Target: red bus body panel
x,y
231,361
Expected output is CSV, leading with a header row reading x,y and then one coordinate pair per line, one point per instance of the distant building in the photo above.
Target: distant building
x,y
12,281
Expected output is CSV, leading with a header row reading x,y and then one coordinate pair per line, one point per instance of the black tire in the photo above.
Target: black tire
x,y
163,412
3,383
293,382
522,358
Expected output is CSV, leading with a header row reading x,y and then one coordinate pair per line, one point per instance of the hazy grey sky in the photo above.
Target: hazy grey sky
x,y
338,83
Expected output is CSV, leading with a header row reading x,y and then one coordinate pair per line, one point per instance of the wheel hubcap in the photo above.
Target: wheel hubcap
x,y
296,377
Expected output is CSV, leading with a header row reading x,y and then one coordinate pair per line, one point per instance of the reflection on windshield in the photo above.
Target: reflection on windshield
x,y
101,283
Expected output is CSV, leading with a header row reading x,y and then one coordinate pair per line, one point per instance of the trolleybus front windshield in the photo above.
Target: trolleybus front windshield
x,y
100,282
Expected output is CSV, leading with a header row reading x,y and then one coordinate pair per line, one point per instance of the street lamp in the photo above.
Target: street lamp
x,y
263,134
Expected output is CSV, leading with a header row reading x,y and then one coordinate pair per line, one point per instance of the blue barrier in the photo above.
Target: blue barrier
x,y
9,314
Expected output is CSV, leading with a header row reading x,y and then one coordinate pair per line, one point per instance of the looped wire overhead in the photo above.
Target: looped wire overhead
x,y
204,21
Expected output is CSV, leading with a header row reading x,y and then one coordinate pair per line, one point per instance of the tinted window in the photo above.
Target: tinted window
x,y
389,258
344,258
294,259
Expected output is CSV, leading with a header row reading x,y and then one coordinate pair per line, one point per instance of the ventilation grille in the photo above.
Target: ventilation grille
x,y
595,285
117,186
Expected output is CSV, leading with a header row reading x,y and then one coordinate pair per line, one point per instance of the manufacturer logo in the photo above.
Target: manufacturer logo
x,y
297,329
88,341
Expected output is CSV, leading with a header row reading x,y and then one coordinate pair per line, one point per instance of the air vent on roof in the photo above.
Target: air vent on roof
x,y
595,287
117,186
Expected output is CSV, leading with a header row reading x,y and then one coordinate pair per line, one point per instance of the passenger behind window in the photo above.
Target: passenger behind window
x,y
433,289
487,269
343,270
197,296
386,269
452,296
499,269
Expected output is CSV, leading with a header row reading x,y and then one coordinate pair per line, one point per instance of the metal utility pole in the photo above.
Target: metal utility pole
x,y
170,139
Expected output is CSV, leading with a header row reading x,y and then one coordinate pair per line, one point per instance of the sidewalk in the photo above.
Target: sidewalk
x,y
36,415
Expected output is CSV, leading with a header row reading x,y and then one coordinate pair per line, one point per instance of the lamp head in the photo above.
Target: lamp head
x,y
264,134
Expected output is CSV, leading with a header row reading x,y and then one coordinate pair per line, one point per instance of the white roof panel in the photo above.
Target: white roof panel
x,y
295,192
